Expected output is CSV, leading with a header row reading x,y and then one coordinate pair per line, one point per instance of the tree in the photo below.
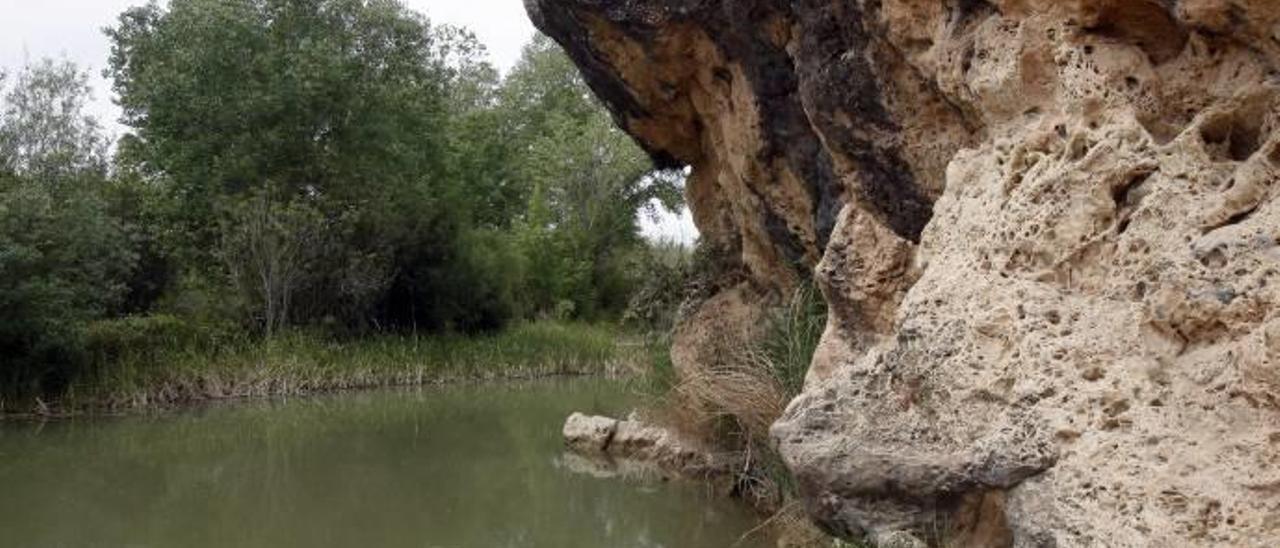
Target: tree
x,y
267,248
341,99
591,183
63,258
44,131
358,108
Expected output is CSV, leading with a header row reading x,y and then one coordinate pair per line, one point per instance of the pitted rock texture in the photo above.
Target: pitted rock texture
x,y
632,444
1048,232
589,433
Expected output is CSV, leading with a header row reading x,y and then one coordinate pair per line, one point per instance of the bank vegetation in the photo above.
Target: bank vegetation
x,y
312,195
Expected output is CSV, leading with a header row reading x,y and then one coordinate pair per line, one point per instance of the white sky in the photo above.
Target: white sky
x,y
72,29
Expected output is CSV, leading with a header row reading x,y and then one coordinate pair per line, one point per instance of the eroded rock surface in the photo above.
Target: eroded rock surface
x,y
621,445
589,433
1048,233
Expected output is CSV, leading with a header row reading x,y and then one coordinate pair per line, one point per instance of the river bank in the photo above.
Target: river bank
x,y
160,376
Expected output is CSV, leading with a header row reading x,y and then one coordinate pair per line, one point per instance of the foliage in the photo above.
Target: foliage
x,y
792,337
45,133
341,168
143,362
340,98
268,249
588,181
404,141
63,258
664,270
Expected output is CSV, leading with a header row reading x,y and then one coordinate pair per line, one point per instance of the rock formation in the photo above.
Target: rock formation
x,y
1048,233
634,445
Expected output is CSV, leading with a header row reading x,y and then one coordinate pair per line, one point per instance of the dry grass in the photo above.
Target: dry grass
x,y
793,529
740,386
745,379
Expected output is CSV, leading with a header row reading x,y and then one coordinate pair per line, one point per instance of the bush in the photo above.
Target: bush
x,y
482,294
664,272
64,258
63,262
143,338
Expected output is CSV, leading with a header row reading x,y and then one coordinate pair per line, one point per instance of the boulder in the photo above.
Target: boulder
x,y
589,434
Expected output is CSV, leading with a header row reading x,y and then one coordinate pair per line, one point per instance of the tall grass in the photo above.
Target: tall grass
x,y
744,384
792,337
174,367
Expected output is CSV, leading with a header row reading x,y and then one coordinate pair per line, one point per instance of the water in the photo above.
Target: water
x,y
458,467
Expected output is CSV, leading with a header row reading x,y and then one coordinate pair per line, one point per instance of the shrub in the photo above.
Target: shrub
x,y
486,283
63,262
145,337
664,271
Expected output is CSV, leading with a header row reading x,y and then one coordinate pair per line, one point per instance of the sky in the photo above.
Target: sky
x,y
72,29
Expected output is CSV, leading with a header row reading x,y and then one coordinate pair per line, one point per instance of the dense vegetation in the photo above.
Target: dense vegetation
x,y
320,170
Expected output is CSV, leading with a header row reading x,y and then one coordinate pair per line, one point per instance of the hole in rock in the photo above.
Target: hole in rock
x,y
1233,136
1077,148
1148,25
1215,258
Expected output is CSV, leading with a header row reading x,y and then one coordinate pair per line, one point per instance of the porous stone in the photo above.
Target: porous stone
x,y
589,434
633,444
1048,234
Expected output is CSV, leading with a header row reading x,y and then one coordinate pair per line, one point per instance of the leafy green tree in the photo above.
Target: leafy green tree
x,y
340,98
44,131
64,259
358,107
268,249
591,182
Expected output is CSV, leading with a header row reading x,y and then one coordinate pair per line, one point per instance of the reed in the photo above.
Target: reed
x,y
172,372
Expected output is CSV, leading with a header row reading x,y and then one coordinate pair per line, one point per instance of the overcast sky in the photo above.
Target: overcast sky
x,y
72,29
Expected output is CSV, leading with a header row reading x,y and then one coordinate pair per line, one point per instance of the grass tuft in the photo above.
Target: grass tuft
x,y
733,399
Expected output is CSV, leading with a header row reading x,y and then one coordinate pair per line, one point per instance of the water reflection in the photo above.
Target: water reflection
x,y
470,466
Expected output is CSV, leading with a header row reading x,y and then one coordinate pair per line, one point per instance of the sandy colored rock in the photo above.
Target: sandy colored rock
x,y
620,445
589,434
1048,233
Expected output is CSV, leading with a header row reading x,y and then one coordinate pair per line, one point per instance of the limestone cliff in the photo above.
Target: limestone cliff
x,y
1048,232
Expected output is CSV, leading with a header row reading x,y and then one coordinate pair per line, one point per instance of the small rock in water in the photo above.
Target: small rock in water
x,y
589,434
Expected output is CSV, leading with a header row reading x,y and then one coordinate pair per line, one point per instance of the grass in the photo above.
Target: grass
x,y
743,385
732,398
172,371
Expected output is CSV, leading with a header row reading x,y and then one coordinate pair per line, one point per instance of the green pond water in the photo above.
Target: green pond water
x,y
466,466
